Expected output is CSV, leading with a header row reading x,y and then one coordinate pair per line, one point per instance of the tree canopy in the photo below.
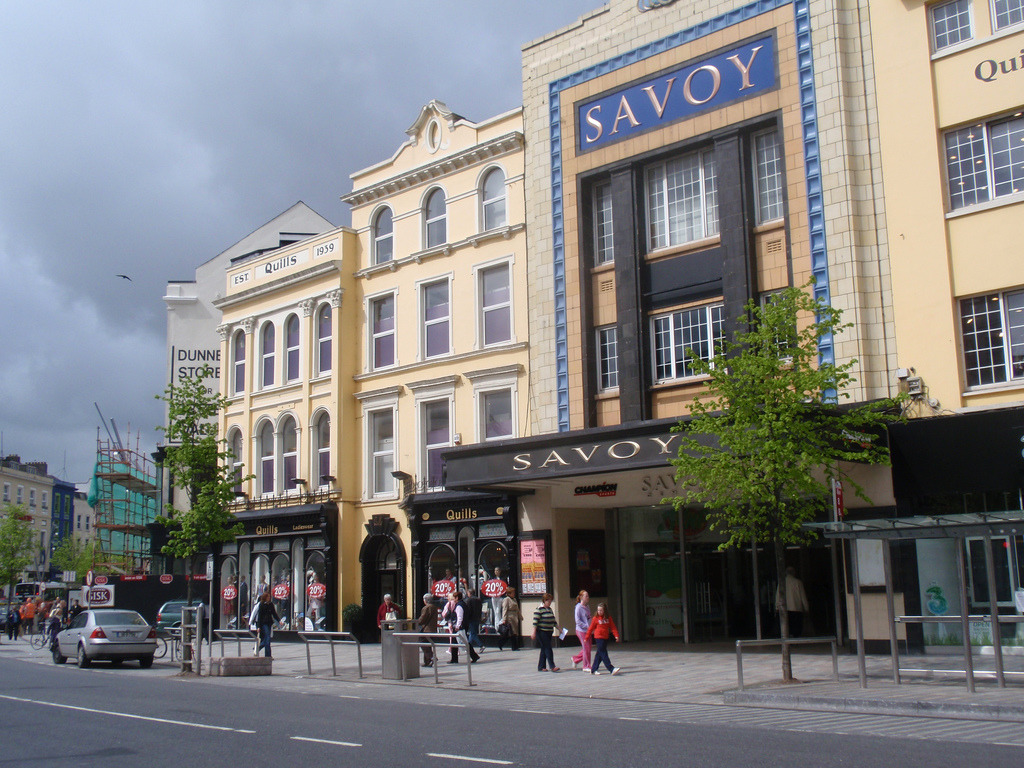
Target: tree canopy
x,y
17,545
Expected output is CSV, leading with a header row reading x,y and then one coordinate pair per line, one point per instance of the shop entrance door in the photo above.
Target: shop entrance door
x,y
382,574
708,593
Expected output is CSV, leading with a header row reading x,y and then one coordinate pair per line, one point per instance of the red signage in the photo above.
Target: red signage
x,y
230,592
317,591
443,588
280,591
494,588
100,580
166,578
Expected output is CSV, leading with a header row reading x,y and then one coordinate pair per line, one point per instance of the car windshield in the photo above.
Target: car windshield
x,y
119,619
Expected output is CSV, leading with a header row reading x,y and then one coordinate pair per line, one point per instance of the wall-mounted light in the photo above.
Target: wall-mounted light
x,y
327,478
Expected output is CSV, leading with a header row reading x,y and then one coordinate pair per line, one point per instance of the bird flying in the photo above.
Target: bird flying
x,y
125,277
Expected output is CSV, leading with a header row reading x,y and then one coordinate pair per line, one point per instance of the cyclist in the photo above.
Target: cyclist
x,y
56,622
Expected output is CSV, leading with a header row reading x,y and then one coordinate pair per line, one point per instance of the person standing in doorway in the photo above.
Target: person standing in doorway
x,y
602,629
796,602
582,616
544,624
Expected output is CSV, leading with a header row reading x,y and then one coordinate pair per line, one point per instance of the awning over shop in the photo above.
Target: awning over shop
x,y
1008,523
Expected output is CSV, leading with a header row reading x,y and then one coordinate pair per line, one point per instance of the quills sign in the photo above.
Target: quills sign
x,y
734,74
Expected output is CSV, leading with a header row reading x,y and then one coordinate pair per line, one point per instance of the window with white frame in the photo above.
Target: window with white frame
x,y
992,328
682,200
291,351
322,451
31,497
435,219
435,419
237,467
985,161
1007,13
289,453
436,309
21,494
7,491
238,362
950,23
382,331
43,499
381,440
496,414
495,304
494,200
768,176
324,335
607,357
604,251
267,342
682,336
383,237
265,449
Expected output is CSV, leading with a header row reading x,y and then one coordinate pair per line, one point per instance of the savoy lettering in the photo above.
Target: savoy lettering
x,y
582,456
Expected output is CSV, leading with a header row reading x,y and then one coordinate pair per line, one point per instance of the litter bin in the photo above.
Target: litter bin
x,y
394,653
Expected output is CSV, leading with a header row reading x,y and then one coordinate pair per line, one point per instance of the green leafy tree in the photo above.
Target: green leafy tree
x,y
201,466
767,436
17,547
73,554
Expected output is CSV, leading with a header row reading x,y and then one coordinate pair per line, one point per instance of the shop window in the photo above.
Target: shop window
x,y
607,358
436,219
492,577
682,200
1007,13
495,305
229,594
237,467
494,202
383,237
382,343
297,586
281,589
992,328
604,251
238,362
978,570
291,336
680,336
324,334
260,575
496,414
768,176
265,449
323,451
316,592
436,319
985,161
382,452
267,342
950,23
437,437
245,584
441,566
289,453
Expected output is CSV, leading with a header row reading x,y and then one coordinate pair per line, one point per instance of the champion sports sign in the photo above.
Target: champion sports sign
x,y
731,75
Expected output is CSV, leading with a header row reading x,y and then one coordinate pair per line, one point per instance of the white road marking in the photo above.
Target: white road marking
x,y
326,741
530,711
469,759
92,711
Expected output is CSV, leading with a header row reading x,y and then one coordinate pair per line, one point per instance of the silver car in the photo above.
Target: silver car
x,y
107,634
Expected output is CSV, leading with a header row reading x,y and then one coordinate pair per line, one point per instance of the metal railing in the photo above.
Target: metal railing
x,y
741,644
236,634
432,641
331,639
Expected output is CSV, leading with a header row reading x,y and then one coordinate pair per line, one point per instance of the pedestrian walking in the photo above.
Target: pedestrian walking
x,y
13,623
510,618
455,615
602,628
582,617
474,615
427,622
796,602
265,615
544,624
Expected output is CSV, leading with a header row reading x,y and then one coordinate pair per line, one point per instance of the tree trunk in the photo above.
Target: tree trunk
x,y
780,570
188,581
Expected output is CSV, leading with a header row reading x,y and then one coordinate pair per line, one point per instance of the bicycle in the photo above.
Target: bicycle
x,y
47,633
165,640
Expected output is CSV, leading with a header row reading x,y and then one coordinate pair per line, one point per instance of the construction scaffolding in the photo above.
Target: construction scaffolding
x,y
125,496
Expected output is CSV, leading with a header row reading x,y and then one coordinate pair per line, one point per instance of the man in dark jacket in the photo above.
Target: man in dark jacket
x,y
427,622
474,615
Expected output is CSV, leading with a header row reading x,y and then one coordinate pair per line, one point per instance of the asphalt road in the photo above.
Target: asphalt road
x,y
64,716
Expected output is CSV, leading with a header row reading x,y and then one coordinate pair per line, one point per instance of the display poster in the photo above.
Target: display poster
x,y
533,563
663,596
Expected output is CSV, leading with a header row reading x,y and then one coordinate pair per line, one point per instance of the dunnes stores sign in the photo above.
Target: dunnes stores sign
x,y
734,74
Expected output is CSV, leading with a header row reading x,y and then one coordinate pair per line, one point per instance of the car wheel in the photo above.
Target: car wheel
x,y
83,660
146,662
58,657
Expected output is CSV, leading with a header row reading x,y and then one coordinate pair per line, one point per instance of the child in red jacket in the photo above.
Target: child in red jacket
x,y
601,628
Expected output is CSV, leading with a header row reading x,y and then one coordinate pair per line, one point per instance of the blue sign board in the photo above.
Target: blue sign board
x,y
710,83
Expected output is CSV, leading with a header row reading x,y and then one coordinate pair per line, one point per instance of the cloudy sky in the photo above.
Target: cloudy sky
x,y
144,138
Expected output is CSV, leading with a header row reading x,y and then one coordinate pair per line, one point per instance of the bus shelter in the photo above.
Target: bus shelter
x,y
950,526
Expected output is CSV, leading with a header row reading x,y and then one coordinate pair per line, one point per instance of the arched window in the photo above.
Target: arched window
x,y
291,342
289,453
436,219
324,330
383,237
493,196
238,362
322,446
267,341
266,451
237,467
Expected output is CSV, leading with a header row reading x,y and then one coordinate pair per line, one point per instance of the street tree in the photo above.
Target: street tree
x,y
769,433
73,554
201,466
17,546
